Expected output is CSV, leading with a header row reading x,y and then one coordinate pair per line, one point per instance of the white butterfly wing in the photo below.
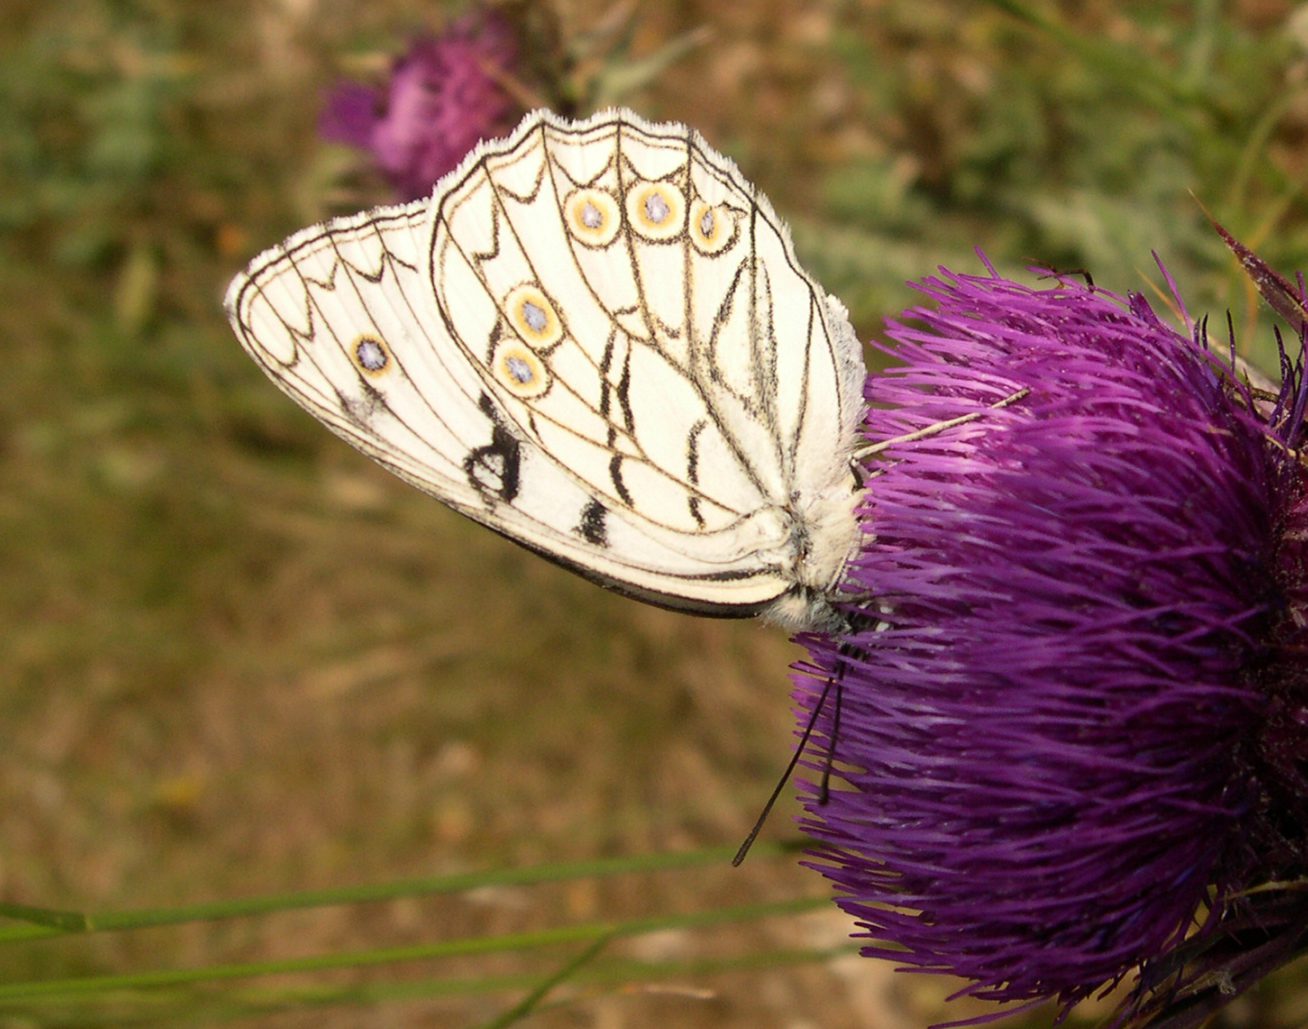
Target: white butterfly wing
x,y
594,338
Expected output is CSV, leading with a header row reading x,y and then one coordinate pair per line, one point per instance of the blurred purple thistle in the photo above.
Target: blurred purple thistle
x,y
1073,711
444,96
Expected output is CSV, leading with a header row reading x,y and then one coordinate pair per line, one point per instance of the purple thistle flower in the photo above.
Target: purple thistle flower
x,y
1073,711
445,95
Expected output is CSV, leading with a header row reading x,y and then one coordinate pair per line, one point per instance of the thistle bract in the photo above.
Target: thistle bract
x,y
1071,709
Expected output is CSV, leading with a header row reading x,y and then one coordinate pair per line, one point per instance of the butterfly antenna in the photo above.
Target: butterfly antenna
x,y
790,768
934,429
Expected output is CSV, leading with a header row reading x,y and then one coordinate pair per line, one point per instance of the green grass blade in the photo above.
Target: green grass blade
x,y
45,921
41,923
533,1000
61,988
161,1004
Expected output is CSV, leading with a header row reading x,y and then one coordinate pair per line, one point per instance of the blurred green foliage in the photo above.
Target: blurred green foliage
x,y
1074,141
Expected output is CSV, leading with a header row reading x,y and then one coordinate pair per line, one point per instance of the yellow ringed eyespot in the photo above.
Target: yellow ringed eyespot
x,y
656,210
371,355
712,227
520,371
533,316
592,216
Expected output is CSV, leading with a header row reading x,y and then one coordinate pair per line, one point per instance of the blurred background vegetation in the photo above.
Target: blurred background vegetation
x,y
241,661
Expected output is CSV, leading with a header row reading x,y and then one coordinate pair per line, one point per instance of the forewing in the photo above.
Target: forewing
x,y
643,317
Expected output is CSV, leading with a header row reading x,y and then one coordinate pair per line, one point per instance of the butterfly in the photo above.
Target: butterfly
x,y
595,339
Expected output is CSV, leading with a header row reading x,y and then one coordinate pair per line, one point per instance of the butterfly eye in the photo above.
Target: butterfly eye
x,y
656,210
520,371
593,217
711,227
533,317
371,355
